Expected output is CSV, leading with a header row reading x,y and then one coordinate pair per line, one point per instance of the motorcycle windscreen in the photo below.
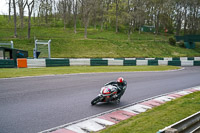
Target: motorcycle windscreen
x,y
105,90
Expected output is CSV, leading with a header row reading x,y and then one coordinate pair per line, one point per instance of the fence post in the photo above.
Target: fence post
x,y
12,46
49,49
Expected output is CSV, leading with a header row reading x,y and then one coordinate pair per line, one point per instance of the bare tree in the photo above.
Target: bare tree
x,y
45,9
130,20
75,8
69,10
117,15
87,7
102,13
55,11
15,18
94,12
64,8
9,9
30,6
21,4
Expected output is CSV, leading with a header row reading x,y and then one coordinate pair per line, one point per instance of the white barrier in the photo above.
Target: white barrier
x,y
169,59
115,62
162,62
79,62
33,63
141,62
183,58
187,63
197,58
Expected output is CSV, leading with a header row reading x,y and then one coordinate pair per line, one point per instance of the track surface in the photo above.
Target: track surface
x,y
33,104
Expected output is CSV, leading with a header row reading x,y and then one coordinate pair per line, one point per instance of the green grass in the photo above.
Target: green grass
x,y
159,117
99,44
20,72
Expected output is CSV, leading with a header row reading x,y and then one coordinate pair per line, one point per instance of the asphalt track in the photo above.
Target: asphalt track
x,y
33,104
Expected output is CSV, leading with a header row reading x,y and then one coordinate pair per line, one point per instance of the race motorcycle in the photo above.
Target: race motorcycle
x,y
107,94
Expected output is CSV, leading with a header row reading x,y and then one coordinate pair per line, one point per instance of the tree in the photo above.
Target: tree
x,y
102,13
45,9
87,7
21,4
107,16
94,13
9,9
129,19
117,14
181,16
30,6
193,16
15,18
75,8
64,3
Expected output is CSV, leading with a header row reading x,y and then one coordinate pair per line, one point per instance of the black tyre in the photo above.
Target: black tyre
x,y
96,100
118,101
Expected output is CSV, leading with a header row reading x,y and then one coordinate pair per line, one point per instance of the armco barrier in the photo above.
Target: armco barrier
x,y
175,58
159,58
140,58
115,63
162,62
129,62
31,63
98,62
187,63
57,62
150,59
174,63
187,125
7,63
141,62
79,62
197,58
196,63
167,58
153,62
190,58
22,63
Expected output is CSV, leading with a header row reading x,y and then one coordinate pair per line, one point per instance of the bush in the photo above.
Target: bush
x,y
172,41
181,44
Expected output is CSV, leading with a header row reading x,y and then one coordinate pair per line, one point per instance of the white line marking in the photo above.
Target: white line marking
x,y
73,74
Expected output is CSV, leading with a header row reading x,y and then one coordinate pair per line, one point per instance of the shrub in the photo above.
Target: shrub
x,y
172,41
181,44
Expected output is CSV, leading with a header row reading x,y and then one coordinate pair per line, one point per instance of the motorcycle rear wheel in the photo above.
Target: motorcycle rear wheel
x,y
96,100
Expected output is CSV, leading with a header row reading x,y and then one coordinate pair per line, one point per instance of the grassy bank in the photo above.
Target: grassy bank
x,y
16,72
65,43
159,117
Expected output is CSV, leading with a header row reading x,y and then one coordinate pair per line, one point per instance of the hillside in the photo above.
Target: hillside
x,y
98,44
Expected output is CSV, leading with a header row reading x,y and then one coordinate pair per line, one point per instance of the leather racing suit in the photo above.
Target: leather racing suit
x,y
120,88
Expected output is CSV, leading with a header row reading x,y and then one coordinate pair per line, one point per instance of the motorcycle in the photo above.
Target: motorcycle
x,y
107,94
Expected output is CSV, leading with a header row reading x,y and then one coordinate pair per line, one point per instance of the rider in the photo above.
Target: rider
x,y
121,85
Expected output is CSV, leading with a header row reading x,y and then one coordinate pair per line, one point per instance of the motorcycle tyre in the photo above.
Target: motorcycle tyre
x,y
96,100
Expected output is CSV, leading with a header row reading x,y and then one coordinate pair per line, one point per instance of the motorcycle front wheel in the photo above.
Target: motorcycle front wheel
x,y
96,100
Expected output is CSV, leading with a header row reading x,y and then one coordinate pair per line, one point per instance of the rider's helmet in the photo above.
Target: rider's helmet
x,y
120,81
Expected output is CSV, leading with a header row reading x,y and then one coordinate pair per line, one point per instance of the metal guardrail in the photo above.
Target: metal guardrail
x,y
190,124
10,44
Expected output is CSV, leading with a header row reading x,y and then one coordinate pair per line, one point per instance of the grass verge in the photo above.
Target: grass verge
x,y
159,117
20,72
66,44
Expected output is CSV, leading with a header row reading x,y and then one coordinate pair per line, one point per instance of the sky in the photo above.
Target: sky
x,y
3,7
